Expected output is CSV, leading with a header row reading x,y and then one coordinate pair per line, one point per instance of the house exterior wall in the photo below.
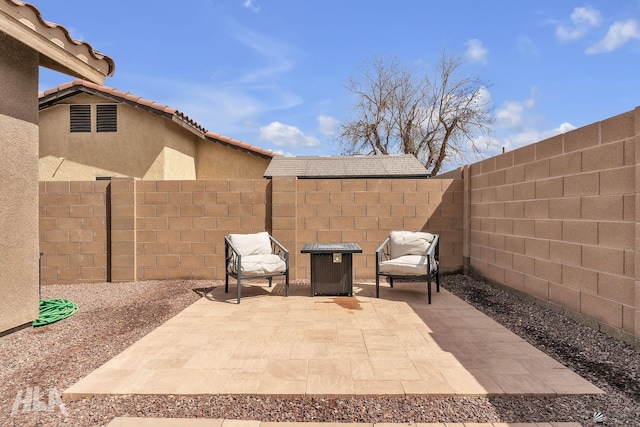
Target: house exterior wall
x,y
558,221
19,291
216,161
145,145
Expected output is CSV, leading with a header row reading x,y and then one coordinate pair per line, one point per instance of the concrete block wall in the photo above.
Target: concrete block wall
x,y
557,221
126,229
181,225
73,232
366,210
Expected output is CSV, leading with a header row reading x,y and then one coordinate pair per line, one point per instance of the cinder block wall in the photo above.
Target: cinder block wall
x,y
181,224
127,229
73,232
557,220
365,211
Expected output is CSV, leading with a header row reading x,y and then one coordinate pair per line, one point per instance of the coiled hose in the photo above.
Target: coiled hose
x,y
52,310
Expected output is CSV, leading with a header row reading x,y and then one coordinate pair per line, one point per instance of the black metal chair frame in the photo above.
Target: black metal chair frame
x,y
233,265
383,253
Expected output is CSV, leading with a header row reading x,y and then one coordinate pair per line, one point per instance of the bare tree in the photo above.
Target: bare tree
x,y
432,118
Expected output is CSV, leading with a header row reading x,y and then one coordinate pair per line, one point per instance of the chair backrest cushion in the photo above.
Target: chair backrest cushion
x,y
252,244
409,243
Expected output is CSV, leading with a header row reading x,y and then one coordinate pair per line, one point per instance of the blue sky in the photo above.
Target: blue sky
x,y
272,72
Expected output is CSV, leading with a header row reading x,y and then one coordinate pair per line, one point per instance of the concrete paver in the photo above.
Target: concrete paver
x,y
332,346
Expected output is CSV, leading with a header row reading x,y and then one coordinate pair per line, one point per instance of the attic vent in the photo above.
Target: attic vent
x,y
107,118
80,118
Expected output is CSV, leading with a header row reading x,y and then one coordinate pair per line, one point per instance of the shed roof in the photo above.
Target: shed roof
x,y
58,51
53,96
391,166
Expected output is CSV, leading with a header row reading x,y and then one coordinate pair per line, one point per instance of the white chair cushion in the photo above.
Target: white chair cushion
x,y
407,265
409,243
262,264
252,244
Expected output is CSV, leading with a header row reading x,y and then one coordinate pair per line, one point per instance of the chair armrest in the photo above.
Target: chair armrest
x,y
232,256
229,246
280,250
433,253
383,250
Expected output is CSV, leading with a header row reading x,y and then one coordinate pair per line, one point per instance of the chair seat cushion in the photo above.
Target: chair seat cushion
x,y
256,265
408,265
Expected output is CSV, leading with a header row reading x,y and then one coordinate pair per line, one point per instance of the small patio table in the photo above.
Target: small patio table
x,y
331,267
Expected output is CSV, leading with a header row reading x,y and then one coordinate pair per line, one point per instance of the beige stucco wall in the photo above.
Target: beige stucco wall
x,y
145,146
216,161
18,184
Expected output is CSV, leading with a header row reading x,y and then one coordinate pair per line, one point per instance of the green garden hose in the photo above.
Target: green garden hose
x,y
52,310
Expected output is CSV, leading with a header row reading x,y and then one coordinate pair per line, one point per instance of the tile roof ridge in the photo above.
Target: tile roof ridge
x,y
51,25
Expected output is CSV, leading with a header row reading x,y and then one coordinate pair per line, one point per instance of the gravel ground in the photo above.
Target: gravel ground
x,y
112,316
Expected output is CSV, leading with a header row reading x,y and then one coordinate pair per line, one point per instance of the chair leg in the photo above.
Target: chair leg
x,y
270,281
239,286
226,284
429,290
438,280
390,282
377,286
286,284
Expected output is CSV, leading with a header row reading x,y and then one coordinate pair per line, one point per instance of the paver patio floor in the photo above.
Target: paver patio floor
x,y
332,346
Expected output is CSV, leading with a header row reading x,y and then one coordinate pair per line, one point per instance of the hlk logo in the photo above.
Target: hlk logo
x,y
30,400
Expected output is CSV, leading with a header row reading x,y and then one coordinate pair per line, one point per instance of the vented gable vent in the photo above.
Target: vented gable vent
x,y
80,118
107,118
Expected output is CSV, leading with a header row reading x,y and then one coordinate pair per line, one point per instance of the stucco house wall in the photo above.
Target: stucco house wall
x,y
145,145
216,161
18,184
27,42
151,142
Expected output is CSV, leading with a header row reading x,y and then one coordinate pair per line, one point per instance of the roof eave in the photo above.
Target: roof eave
x,y
24,24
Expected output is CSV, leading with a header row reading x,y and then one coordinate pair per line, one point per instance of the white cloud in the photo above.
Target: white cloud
x,y
249,5
583,19
327,125
527,46
510,115
523,137
476,52
283,135
619,33
564,128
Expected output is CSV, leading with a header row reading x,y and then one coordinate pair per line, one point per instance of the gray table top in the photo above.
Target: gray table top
x,y
329,248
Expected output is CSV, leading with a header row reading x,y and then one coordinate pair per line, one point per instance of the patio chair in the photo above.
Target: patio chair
x,y
255,256
409,256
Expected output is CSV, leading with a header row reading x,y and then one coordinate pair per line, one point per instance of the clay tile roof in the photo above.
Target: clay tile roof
x,y
234,143
50,97
24,22
396,166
